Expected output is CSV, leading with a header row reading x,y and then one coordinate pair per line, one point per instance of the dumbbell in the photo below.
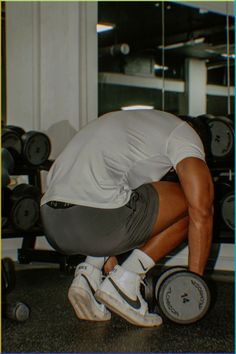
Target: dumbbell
x,y
11,141
36,148
19,130
147,290
222,137
227,210
21,206
182,296
152,281
32,147
7,166
25,210
17,311
224,205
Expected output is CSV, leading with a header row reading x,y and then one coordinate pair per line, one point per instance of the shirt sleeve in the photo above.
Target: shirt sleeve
x,y
184,142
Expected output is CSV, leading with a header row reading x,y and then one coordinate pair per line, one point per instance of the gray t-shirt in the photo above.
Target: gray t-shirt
x,y
117,153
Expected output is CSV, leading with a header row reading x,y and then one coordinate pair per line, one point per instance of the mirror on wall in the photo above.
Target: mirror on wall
x,y
3,63
165,55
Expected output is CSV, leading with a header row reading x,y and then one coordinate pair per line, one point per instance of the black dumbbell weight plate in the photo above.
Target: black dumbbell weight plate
x,y
222,137
26,190
7,160
184,297
17,311
7,166
20,131
165,275
25,206
11,141
227,210
25,213
148,290
36,148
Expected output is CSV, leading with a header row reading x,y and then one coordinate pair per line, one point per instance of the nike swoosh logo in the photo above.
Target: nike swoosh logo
x,y
90,287
134,303
144,268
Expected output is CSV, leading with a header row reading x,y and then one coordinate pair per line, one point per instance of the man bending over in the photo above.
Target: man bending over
x,y
105,197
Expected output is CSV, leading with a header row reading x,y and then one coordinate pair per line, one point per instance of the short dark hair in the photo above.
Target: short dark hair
x,y
200,125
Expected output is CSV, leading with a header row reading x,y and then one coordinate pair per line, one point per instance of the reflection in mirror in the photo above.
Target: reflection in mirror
x,y
3,63
165,48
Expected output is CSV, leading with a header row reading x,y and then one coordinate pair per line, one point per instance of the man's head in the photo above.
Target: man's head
x,y
201,127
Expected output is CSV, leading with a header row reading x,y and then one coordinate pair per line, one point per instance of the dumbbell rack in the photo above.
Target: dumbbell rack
x,y
225,172
27,253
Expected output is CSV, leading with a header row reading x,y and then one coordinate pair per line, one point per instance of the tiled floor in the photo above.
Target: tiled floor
x,y
53,327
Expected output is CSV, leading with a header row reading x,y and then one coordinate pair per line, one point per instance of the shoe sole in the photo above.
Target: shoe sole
x,y
84,306
114,305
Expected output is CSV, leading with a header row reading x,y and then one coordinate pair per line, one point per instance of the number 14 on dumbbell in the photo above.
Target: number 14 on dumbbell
x,y
182,296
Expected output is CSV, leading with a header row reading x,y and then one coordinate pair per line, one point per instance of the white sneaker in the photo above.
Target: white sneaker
x,y
120,292
81,294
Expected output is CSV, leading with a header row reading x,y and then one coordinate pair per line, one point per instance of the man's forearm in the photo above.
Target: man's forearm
x,y
199,241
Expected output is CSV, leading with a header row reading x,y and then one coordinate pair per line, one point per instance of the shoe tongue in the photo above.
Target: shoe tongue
x,y
130,276
126,279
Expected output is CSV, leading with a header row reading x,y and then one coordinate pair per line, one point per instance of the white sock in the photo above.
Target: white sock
x,y
97,262
138,262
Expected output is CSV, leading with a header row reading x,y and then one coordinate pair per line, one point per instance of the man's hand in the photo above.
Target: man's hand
x,y
196,181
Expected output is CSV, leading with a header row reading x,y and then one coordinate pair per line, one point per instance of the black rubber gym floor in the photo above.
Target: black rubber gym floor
x,y
53,327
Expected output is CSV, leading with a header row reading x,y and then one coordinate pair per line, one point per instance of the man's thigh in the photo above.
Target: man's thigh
x,y
172,205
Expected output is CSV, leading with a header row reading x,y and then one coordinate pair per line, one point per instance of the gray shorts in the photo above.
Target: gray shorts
x,y
102,232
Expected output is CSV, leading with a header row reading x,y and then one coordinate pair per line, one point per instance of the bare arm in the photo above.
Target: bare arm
x,y
196,181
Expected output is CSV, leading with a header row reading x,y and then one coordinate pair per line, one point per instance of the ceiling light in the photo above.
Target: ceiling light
x,y
160,67
225,55
196,41
171,46
182,44
215,66
210,51
203,11
130,108
102,27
